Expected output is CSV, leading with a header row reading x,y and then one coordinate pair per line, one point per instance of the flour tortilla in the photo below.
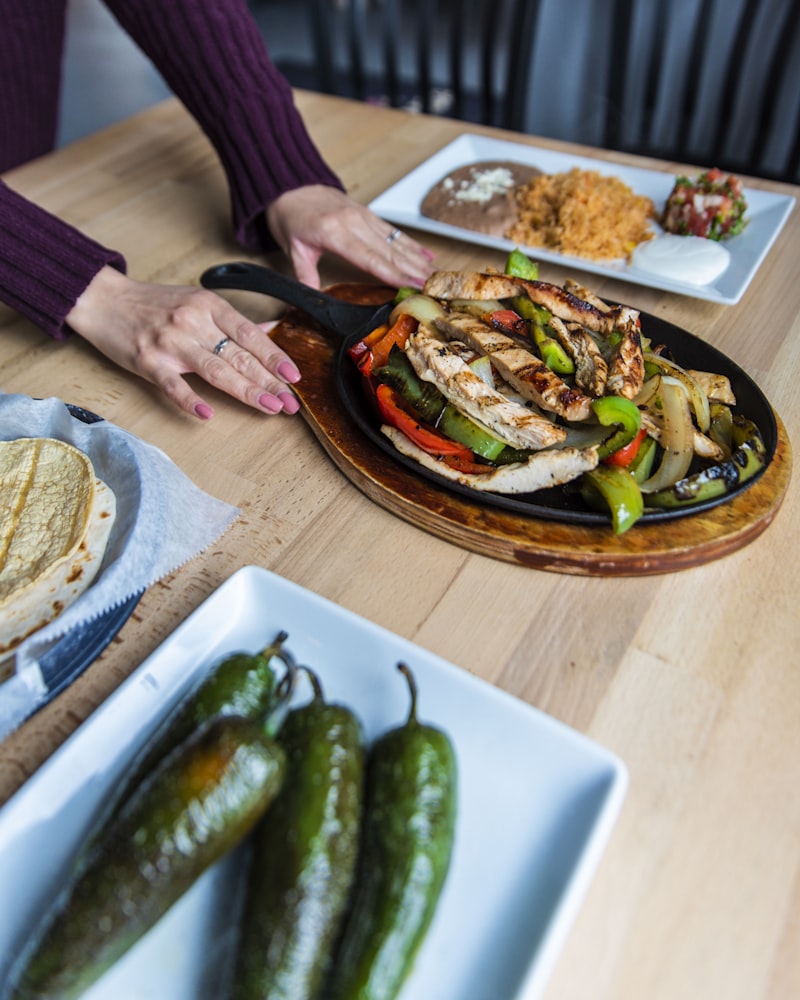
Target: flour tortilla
x,y
56,520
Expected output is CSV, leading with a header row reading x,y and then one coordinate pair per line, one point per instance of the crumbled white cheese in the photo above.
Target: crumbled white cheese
x,y
485,184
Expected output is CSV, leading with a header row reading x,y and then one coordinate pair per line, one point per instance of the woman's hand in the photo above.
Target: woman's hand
x,y
310,220
164,332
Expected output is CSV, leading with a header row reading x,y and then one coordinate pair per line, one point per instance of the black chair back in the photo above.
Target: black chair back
x,y
701,82
710,82
467,59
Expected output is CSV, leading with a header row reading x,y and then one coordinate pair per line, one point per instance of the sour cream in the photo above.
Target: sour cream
x,y
690,259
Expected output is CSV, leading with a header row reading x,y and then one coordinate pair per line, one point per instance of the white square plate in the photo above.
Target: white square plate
x,y
767,212
537,802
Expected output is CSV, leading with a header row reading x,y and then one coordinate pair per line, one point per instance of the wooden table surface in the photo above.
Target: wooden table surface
x,y
692,678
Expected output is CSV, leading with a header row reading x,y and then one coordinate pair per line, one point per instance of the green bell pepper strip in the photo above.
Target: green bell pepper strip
x,y
551,351
641,468
518,265
432,407
456,425
424,397
616,410
748,458
613,487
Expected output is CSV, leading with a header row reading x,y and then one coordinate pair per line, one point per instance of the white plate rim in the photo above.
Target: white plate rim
x,y
161,679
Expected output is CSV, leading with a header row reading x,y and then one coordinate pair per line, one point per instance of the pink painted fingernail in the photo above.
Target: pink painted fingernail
x,y
288,372
290,402
428,253
270,402
204,411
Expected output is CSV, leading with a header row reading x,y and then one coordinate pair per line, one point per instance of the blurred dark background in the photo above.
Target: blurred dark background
x,y
708,82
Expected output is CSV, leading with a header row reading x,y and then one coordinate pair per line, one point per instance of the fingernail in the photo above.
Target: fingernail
x,y
428,253
204,411
288,372
290,402
270,402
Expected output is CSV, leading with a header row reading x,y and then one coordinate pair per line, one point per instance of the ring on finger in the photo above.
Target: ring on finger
x,y
394,235
221,346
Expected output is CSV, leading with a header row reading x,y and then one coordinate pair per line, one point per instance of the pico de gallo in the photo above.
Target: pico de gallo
x,y
712,205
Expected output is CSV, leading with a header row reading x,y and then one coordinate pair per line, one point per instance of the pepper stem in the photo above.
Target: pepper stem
x,y
412,687
316,683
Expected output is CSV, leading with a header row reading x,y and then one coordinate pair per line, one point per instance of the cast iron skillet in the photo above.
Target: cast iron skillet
x,y
350,322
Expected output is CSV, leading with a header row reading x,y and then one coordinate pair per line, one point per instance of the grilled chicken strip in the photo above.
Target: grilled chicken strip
x,y
449,285
521,368
591,368
482,337
435,361
626,368
582,292
544,469
716,387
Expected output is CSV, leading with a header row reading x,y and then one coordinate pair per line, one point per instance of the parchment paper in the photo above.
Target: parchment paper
x,y
163,520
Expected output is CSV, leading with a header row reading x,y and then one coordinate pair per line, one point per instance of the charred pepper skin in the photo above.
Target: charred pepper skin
x,y
242,684
304,855
199,803
409,824
749,457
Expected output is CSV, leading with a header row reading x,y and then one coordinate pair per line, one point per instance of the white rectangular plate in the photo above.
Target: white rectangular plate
x,y
537,802
767,212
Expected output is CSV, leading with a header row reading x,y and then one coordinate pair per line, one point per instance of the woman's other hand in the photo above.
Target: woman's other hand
x,y
163,332
311,220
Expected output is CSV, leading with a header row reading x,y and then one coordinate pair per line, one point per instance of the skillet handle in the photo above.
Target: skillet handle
x,y
327,310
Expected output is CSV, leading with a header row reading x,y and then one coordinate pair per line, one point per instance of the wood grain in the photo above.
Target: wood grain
x,y
691,677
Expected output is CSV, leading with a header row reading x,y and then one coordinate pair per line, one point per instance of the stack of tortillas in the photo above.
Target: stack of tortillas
x,y
55,520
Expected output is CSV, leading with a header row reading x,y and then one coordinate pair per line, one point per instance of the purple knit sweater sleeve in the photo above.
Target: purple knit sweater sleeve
x,y
212,55
45,264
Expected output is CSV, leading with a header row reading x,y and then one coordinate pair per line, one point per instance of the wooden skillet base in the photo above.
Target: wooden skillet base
x,y
546,545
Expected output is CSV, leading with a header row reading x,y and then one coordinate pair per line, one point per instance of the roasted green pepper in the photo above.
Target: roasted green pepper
x,y
197,804
721,428
613,488
747,459
410,810
424,397
243,684
304,854
622,413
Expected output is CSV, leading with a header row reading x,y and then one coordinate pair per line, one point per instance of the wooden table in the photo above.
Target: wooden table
x,y
691,677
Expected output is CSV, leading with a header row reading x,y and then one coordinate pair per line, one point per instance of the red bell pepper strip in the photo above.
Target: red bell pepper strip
x,y
373,350
361,352
467,465
508,321
625,455
398,333
393,413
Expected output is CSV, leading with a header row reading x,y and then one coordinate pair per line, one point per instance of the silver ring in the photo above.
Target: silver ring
x,y
220,346
393,235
